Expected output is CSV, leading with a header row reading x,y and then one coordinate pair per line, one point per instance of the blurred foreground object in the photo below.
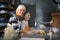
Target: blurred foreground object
x,y
9,33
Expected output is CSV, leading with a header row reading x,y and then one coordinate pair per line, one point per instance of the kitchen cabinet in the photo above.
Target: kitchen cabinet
x,y
56,18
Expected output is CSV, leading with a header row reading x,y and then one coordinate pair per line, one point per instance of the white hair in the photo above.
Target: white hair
x,y
21,7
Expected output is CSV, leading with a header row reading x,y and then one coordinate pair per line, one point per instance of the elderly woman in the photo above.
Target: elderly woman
x,y
13,26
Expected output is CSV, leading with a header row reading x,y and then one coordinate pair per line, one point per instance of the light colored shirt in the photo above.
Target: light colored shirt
x,y
24,25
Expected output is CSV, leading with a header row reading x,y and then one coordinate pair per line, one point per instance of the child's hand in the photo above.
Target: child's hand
x,y
30,28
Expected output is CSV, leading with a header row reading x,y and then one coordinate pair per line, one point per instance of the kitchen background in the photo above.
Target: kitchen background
x,y
40,11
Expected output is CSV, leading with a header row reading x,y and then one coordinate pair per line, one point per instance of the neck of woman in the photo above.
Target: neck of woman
x,y
18,17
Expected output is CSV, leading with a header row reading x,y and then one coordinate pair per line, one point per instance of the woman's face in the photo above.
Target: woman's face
x,y
27,16
20,12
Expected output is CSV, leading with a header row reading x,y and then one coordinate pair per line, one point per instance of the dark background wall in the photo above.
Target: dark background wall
x,y
44,9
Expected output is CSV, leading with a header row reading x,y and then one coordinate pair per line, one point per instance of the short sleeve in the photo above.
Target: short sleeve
x,y
9,23
23,24
12,20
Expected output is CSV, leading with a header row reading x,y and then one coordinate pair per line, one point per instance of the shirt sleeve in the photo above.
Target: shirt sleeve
x,y
9,23
23,24
11,20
